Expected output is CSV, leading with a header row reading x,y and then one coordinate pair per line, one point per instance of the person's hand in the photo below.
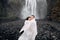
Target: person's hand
x,y
21,31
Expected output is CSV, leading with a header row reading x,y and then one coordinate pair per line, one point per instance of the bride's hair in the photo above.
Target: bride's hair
x,y
27,18
33,16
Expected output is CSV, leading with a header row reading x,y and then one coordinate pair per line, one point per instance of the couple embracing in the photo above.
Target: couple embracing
x,y
29,28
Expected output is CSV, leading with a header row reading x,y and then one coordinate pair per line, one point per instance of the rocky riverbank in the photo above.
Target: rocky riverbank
x,y
46,30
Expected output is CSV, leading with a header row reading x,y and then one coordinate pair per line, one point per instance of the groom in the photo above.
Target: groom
x,y
31,29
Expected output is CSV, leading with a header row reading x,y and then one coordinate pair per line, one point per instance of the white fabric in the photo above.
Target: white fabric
x,y
30,30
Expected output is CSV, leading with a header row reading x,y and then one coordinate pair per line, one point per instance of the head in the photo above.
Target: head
x,y
32,17
28,18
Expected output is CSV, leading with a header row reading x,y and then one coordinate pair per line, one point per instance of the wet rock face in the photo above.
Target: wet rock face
x,y
15,6
11,8
53,10
3,6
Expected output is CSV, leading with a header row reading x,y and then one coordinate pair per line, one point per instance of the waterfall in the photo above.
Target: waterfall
x,y
42,8
34,7
29,9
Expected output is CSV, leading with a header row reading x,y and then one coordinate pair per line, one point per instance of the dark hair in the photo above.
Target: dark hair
x,y
27,18
33,15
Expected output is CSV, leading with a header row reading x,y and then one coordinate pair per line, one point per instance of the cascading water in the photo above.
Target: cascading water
x,y
34,7
42,8
29,9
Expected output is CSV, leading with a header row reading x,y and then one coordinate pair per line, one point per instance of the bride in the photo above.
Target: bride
x,y
29,28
